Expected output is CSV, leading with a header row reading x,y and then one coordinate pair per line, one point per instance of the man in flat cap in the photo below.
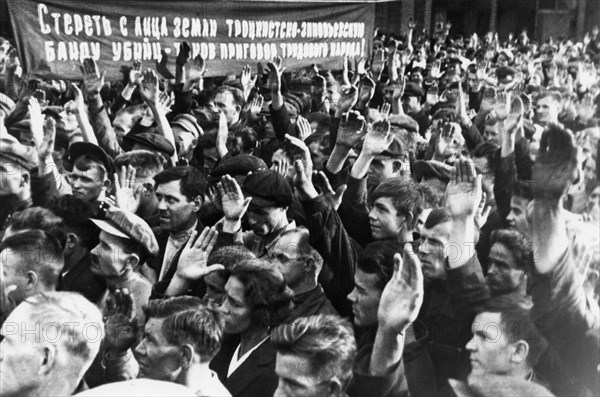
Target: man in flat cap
x,y
411,104
187,132
92,171
16,162
268,196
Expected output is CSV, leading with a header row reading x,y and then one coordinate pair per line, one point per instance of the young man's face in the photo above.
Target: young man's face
x,y
432,253
109,258
410,103
297,378
492,133
175,211
383,167
504,274
87,184
546,110
490,349
158,359
365,299
224,103
266,220
517,218
384,219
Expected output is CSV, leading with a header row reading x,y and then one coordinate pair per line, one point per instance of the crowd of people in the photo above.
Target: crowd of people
x,y
423,222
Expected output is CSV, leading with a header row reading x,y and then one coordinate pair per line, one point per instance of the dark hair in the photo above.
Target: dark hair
x,y
39,218
436,217
191,181
146,163
515,311
406,197
76,214
326,341
266,291
518,244
523,189
249,138
40,252
230,255
86,162
378,258
189,321
487,150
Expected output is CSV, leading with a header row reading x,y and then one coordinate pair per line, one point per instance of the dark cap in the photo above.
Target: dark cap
x,y
267,189
412,89
78,149
239,165
127,225
153,141
425,169
505,74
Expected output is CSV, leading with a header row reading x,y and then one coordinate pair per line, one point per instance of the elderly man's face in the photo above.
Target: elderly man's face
x,y
287,260
109,258
21,355
490,348
158,359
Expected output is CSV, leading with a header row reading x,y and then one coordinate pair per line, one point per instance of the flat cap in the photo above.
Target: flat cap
x,y
268,188
239,165
127,225
188,123
78,149
13,150
152,141
413,89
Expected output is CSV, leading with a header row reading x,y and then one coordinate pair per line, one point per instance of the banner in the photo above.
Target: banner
x,y
54,36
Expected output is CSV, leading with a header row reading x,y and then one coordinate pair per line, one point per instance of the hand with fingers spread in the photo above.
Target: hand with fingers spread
x,y
483,212
378,139
247,80
275,71
402,296
488,100
351,130
514,118
366,90
120,322
384,110
281,167
446,145
464,192
587,108
347,100
194,257
256,104
93,81
148,87
128,196
303,128
165,101
232,199
303,182
334,197
556,164
184,55
306,157
212,193
378,63
135,73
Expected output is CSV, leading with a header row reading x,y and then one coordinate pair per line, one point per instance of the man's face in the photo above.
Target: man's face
x,y
67,122
11,177
384,219
109,258
432,254
265,220
365,299
546,110
123,122
87,185
285,258
21,354
224,103
215,287
382,167
502,60
185,140
236,312
474,83
517,218
158,359
410,104
298,379
504,274
318,155
489,348
176,213
492,133
13,274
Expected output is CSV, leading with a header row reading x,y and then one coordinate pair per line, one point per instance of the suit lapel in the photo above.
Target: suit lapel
x,y
252,368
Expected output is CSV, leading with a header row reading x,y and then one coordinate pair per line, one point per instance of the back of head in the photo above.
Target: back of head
x,y
38,218
326,341
266,291
76,214
378,258
406,197
146,163
437,217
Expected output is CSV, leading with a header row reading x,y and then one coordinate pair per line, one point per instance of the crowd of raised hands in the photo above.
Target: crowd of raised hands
x,y
423,221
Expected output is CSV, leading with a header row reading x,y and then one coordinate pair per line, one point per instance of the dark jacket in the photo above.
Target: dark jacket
x,y
81,279
311,303
255,377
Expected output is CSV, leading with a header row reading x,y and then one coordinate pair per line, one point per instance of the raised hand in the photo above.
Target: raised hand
x,y
334,197
148,87
194,257
483,212
514,118
402,297
303,183
275,71
378,139
555,167
281,167
306,158
135,73
464,192
378,62
93,81
212,193
384,110
348,98
303,128
587,108
194,71
446,146
161,66
36,121
127,196
256,104
366,91
120,322
351,130
489,99
247,80
232,199
184,54
46,146
346,71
